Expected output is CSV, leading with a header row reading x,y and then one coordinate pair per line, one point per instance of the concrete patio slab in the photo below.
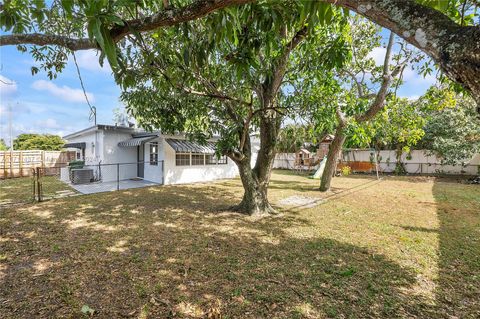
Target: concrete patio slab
x,y
99,187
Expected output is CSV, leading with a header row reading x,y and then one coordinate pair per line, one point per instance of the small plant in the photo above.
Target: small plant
x,y
346,170
86,310
76,164
400,169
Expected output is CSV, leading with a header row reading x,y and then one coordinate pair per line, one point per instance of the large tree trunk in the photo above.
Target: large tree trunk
x,y
255,198
255,180
332,158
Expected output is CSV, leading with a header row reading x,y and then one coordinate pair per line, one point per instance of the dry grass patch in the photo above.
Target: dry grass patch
x,y
401,247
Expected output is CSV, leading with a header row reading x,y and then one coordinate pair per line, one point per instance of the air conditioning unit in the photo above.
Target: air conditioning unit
x,y
82,175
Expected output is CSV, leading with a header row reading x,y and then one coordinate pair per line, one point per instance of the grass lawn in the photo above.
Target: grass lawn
x,y
16,190
401,247
20,189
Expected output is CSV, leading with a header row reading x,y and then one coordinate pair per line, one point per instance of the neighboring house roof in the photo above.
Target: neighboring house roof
x,y
189,146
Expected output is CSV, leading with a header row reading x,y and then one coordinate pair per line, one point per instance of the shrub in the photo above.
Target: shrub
x,y
346,170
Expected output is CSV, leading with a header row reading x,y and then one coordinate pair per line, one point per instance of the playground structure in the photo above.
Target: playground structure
x,y
306,161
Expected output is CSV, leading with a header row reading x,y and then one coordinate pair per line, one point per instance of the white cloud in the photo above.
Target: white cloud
x,y
65,93
48,124
7,86
412,77
378,55
88,60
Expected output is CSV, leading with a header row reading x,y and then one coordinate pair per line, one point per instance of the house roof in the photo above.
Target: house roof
x,y
101,127
189,146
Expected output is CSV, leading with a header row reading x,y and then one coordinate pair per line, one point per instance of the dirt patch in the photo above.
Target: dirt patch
x,y
300,201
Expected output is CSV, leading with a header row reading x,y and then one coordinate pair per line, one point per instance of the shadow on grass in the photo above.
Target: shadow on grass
x,y
458,283
175,252
169,251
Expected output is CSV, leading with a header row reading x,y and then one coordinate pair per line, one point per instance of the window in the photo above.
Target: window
x,y
182,159
154,153
198,159
222,160
210,159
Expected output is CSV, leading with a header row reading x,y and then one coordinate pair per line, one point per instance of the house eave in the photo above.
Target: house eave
x,y
100,127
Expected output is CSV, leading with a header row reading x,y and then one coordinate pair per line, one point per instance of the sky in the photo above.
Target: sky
x,y
39,105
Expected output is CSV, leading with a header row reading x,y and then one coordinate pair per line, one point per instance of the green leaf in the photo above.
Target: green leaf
x,y
87,310
94,28
110,49
115,19
68,8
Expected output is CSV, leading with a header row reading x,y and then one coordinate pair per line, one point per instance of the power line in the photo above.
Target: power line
x,y
93,109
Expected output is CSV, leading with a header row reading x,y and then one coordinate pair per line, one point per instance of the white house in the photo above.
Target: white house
x,y
154,157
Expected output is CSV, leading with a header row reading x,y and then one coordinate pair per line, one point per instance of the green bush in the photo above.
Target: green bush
x,y
76,164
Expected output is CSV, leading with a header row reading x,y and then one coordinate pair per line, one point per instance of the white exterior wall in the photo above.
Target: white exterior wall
x,y
154,173
93,146
112,153
126,157
102,147
196,173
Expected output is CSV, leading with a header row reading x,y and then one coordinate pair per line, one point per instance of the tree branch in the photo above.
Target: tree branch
x,y
379,101
168,17
282,61
453,47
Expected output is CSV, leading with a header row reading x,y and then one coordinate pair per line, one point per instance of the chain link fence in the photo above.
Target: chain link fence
x,y
18,190
77,178
358,167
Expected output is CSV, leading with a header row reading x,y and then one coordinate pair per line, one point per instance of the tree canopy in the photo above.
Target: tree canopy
x,y
446,30
228,73
231,82
3,145
452,130
44,142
